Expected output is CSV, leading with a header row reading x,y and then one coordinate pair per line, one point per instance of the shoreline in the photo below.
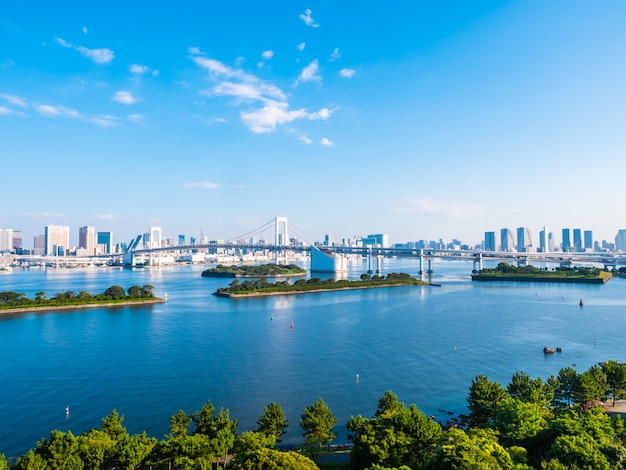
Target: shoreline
x,y
51,308
268,294
487,278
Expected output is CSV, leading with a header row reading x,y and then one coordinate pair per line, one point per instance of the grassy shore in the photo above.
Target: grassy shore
x,y
4,310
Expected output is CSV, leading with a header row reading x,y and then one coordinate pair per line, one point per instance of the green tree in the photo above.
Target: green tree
x,y
395,436
219,429
317,423
616,378
60,451
478,449
4,465
520,421
247,443
93,448
567,383
115,292
179,423
272,422
272,459
484,396
591,385
32,461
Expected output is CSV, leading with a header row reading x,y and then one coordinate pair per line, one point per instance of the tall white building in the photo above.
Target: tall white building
x,y
524,239
56,239
87,239
507,239
6,239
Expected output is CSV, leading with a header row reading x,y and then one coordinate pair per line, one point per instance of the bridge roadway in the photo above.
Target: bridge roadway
x,y
606,259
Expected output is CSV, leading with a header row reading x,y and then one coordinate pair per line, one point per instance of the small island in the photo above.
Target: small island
x,y
261,287
262,270
17,302
507,272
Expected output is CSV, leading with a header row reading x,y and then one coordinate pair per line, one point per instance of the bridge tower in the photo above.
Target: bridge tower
x,y
281,236
155,242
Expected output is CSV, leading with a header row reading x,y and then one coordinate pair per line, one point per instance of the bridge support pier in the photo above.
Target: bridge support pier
x,y
478,261
421,271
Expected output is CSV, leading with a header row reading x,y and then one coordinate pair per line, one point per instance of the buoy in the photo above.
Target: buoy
x,y
292,325
357,378
67,410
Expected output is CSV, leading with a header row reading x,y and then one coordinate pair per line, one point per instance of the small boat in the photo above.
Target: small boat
x,y
548,350
581,302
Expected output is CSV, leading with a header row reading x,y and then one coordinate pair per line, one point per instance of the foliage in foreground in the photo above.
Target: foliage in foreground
x,y
301,285
507,270
556,424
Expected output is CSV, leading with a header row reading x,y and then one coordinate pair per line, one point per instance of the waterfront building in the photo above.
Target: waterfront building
x,y
566,244
507,239
181,240
490,241
105,243
620,240
17,239
378,239
588,237
6,239
543,240
56,240
524,239
578,240
551,242
87,239
39,244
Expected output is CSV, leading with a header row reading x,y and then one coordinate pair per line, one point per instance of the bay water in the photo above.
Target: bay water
x,y
425,344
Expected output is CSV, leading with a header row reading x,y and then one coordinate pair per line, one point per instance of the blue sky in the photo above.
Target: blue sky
x,y
417,119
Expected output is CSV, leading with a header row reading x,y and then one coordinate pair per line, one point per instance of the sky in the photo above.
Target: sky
x,y
422,120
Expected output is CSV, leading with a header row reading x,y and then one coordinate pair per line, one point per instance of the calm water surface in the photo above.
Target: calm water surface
x,y
424,344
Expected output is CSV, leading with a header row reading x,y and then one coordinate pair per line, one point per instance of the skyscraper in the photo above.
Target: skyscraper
x,y
105,242
544,246
6,239
56,239
87,239
507,239
524,239
578,240
17,238
490,241
566,244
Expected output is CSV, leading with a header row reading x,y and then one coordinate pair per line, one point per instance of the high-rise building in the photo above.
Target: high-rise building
x,y
87,239
17,239
544,246
588,236
620,240
578,240
490,241
524,239
56,239
566,243
507,239
39,244
105,243
6,239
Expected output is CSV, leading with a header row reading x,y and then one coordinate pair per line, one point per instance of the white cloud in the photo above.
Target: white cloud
x,y
326,143
104,120
202,185
309,73
267,104
43,214
301,46
14,100
335,55
426,206
124,97
193,50
306,140
267,55
155,73
135,118
347,73
49,110
139,69
4,111
108,216
308,20
84,29
99,56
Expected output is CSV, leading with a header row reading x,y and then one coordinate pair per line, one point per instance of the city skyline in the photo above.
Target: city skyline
x,y
419,120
